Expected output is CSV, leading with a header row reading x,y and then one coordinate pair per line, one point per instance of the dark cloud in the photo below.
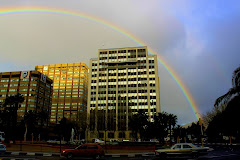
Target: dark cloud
x,y
199,40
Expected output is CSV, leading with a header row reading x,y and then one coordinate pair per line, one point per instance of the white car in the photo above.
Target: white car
x,y
95,140
182,149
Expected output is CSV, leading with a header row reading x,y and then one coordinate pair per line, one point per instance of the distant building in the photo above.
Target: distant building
x,y
123,81
70,88
33,85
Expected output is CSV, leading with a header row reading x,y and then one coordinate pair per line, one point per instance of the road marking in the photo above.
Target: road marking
x,y
47,155
116,155
221,156
131,155
15,153
30,154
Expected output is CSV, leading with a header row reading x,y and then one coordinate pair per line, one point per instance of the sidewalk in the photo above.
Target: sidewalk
x,y
54,150
49,154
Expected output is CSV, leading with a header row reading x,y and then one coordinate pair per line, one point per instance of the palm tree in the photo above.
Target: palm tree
x,y
160,126
43,117
138,124
31,120
234,91
172,120
12,103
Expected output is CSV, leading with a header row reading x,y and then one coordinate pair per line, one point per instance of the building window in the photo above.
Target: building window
x,y
121,135
110,135
101,135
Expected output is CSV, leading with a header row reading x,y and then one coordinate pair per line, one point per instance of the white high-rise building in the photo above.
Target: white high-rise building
x,y
122,81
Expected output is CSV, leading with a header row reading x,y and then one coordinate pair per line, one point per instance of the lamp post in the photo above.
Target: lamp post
x,y
201,124
105,124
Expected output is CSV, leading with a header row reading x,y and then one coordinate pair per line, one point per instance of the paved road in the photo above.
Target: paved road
x,y
209,157
217,153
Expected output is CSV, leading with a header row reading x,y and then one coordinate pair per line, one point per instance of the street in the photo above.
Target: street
x,y
216,153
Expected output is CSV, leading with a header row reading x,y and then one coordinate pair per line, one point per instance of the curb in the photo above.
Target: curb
x,y
32,154
115,155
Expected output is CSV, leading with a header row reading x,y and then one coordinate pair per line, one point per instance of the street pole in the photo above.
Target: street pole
x,y
60,143
200,122
105,139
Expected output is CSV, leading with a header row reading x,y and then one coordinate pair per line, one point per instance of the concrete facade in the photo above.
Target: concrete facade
x,y
122,81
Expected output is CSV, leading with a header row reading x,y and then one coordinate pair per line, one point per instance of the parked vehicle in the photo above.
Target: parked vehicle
x,y
125,140
86,150
154,140
2,135
95,140
182,149
2,148
114,140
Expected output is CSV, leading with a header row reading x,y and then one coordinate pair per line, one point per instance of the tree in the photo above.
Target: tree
x,y
31,120
195,131
208,116
179,133
138,124
160,125
234,91
172,120
43,117
11,105
81,123
64,128
224,121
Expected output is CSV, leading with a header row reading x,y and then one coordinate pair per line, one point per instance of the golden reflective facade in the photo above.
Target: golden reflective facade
x,y
70,88
34,86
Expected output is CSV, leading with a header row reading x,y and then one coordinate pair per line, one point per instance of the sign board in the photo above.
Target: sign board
x,y
43,78
25,74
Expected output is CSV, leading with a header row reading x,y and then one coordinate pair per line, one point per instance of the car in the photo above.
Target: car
x,y
95,140
114,140
2,148
125,140
86,150
154,140
182,149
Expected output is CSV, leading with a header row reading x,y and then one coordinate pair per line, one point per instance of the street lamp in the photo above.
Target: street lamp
x,y
105,120
201,124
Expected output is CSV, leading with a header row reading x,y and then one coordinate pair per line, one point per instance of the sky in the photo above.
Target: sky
x,y
199,40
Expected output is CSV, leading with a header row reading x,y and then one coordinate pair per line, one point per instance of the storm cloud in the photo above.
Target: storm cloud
x,y
199,40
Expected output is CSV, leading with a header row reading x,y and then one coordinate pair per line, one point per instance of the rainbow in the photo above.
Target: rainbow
x,y
173,74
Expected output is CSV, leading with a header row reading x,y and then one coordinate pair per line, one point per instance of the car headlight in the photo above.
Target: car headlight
x,y
63,151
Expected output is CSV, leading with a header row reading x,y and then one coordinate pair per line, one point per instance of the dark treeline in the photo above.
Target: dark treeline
x,y
35,124
224,121
221,122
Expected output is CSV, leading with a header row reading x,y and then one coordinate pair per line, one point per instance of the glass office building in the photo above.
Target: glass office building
x,y
123,81
70,88
34,86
